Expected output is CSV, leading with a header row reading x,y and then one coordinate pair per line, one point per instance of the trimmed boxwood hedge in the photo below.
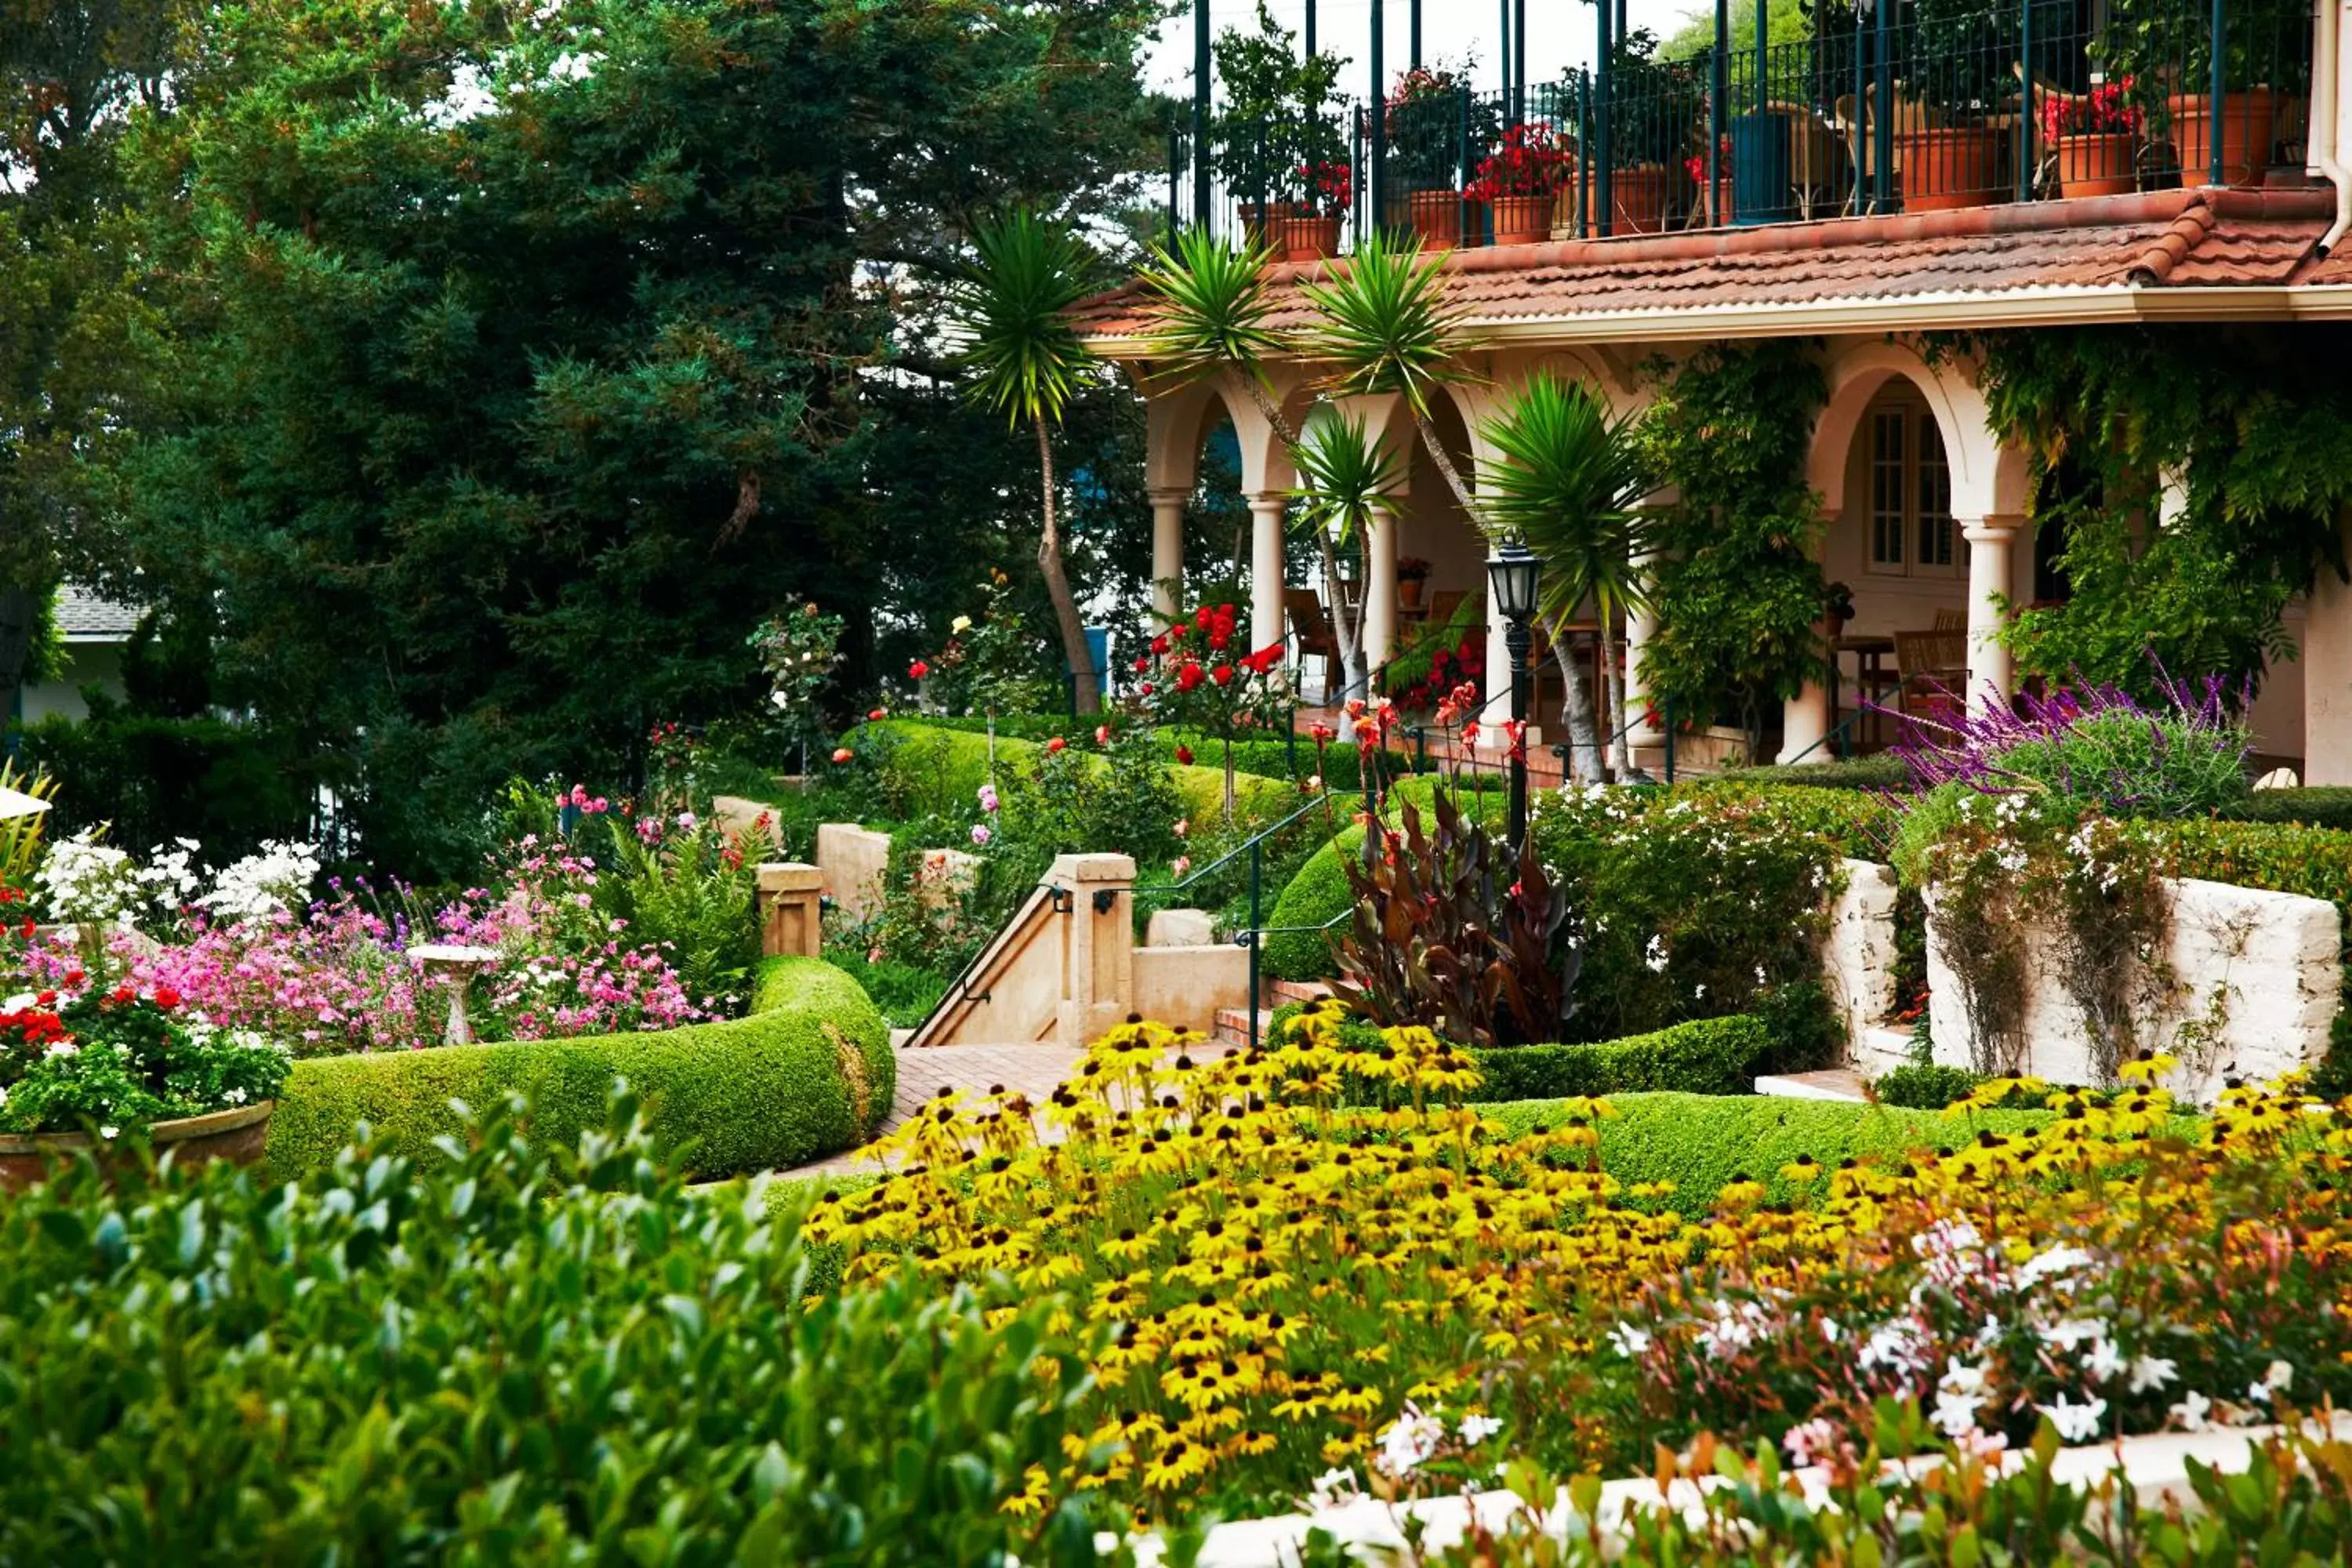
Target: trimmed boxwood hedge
x,y
757,1093
1701,1142
1704,1056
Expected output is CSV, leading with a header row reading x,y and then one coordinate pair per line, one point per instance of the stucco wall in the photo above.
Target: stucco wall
x,y
852,859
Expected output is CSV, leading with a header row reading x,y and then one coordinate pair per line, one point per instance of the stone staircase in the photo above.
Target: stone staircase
x,y
1232,1023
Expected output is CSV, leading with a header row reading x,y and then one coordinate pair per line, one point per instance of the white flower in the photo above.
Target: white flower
x,y
1411,1439
2104,1361
1810,1441
234,1095
2073,1331
2191,1412
1631,1341
1332,1488
2276,1378
263,884
1655,955
2152,1372
2075,1422
1962,1378
780,699
686,821
110,1133
2054,1264
1476,1429
960,626
1956,1413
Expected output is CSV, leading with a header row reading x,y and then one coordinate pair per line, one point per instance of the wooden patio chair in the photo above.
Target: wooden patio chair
x,y
1819,169
1310,630
1859,127
1933,667
1951,621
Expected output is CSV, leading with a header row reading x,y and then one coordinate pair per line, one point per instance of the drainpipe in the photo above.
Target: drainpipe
x,y
2326,107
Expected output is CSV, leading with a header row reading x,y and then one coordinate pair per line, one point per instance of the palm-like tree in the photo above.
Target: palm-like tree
x,y
1343,475
1209,313
1384,326
1566,481
1013,303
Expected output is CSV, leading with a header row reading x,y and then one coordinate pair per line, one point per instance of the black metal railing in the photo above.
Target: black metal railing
x,y
1890,106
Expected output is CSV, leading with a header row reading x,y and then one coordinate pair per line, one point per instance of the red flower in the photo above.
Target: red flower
x,y
1223,675
1142,663
843,753
1159,645
1055,744
1184,756
166,998
1201,617
1102,734
916,671
878,714
1189,678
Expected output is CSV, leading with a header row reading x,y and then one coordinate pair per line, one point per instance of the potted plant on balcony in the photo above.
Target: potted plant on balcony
x,y
1956,77
1715,210
88,1066
1277,120
1310,231
2167,46
2094,139
1653,104
1429,115
1520,183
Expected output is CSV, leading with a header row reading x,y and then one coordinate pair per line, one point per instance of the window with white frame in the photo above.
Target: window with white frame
x,y
1911,529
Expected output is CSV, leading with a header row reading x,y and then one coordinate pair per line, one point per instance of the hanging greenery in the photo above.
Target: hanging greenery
x,y
2252,431
1739,588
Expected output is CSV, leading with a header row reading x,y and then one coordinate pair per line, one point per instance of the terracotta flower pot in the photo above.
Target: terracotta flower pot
x,y
2249,122
1262,222
1522,220
1637,200
2097,163
1720,214
1307,237
1437,217
1409,592
238,1136
1948,166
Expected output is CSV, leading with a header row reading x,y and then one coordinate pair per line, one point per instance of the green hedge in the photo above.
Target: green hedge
x,y
756,1093
1881,770
1317,890
2320,805
1701,1144
1706,1056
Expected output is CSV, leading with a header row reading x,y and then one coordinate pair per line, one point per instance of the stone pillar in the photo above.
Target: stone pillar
x,y
1099,957
1266,515
1381,586
1990,546
2327,681
1167,551
1804,725
1498,677
791,919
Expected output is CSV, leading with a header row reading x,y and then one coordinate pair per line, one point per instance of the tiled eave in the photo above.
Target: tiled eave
x,y
2193,255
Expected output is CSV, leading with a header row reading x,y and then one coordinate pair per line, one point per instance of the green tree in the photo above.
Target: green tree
x,y
1565,483
1343,475
525,356
1027,362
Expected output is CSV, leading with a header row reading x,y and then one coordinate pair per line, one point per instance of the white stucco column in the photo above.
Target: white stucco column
x,y
1167,551
1991,546
1804,725
1266,514
1640,626
1498,677
2327,680
1381,586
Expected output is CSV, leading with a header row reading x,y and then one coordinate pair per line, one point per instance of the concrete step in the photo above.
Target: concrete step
x,y
1280,992
1841,1084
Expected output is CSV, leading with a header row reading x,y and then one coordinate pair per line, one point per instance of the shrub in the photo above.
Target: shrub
x,y
809,1076
1923,1085
1882,770
1704,1056
514,1349
680,885
2095,746
2319,806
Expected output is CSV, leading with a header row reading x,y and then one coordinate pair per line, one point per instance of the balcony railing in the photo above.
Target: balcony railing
x,y
2029,101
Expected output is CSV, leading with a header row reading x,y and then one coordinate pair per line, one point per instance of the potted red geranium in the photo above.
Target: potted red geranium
x,y
1310,231
2095,137
1521,181
93,1068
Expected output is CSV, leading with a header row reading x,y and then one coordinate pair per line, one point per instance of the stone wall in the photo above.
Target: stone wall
x,y
853,860
1858,953
2252,981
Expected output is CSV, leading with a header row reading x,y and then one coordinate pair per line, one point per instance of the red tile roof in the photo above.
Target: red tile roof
x,y
2160,240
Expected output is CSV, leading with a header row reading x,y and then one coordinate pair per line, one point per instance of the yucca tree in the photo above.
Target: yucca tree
x,y
1013,303
1343,475
1383,327
1208,312
1566,477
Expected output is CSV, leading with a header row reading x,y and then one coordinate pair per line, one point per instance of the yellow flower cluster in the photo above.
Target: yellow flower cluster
x,y
1268,1270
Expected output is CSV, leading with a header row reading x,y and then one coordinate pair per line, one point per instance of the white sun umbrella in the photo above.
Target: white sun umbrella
x,y
17,803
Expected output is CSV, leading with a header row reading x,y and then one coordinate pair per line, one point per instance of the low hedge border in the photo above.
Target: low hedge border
x,y
1704,1056
1701,1144
779,1087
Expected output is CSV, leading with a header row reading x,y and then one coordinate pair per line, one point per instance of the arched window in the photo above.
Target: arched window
x,y
1911,529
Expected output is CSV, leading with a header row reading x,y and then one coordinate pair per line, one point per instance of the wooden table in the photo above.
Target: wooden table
x,y
1869,672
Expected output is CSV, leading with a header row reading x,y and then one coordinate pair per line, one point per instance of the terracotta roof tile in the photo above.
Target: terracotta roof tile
x,y
2158,239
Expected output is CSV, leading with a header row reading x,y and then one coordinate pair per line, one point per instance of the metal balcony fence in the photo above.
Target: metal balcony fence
x,y
1901,106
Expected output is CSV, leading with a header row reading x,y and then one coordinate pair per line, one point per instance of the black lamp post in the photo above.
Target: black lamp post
x,y
1514,574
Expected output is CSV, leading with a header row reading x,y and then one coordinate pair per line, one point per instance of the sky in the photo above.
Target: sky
x,y
1560,33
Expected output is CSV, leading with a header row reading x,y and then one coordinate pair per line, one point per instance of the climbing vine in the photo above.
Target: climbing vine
x,y
1737,588
2251,430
